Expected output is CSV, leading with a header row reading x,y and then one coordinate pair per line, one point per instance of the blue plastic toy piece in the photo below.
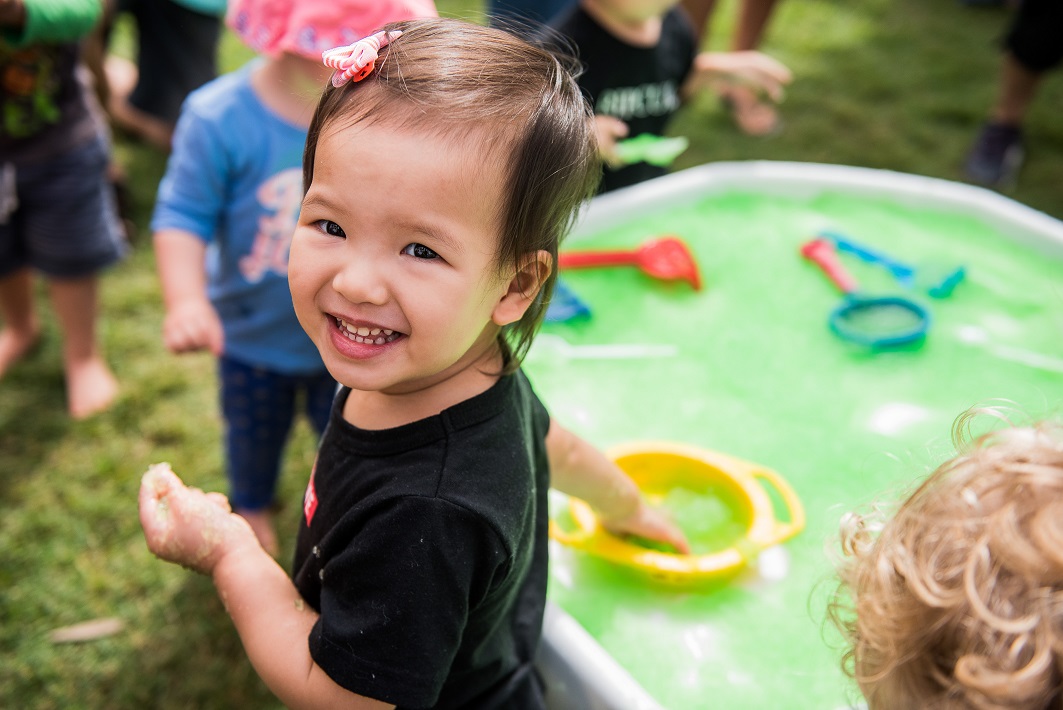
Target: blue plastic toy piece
x,y
565,305
938,281
947,283
904,273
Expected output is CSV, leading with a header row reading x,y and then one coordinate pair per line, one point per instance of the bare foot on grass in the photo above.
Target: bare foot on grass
x,y
15,345
753,114
261,521
90,388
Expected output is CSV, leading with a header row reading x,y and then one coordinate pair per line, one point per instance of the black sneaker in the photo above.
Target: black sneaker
x,y
996,156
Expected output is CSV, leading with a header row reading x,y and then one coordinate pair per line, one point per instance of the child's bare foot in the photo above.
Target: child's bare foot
x,y
90,387
753,114
15,345
261,521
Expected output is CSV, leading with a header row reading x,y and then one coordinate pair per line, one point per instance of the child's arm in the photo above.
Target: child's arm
x,y
12,14
198,530
581,470
191,323
753,69
26,22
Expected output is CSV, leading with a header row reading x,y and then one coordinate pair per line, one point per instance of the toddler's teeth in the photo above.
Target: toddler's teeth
x,y
364,334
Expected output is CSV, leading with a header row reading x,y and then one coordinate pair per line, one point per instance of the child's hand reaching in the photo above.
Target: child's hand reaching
x,y
753,70
186,525
579,469
650,523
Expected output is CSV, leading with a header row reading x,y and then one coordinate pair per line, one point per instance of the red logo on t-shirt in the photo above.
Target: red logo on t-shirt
x,y
310,498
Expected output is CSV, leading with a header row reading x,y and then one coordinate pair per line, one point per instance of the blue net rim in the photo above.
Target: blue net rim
x,y
840,315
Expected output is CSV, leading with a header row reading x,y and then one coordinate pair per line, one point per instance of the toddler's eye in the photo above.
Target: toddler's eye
x,y
331,228
420,251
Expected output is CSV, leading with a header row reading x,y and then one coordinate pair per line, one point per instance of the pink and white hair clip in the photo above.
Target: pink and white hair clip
x,y
355,61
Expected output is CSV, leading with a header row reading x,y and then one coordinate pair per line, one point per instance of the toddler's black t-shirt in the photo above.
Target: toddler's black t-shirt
x,y
424,549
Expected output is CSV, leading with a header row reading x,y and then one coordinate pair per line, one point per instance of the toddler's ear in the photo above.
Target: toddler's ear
x,y
523,288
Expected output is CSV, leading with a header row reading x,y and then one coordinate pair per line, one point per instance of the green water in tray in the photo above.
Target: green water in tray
x,y
711,519
755,372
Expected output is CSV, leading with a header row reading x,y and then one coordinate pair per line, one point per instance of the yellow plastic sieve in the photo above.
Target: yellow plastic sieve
x,y
659,469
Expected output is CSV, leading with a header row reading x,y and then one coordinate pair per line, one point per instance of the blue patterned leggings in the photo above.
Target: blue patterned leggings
x,y
259,407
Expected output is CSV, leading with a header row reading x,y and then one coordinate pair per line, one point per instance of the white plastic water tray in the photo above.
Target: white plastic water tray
x,y
579,673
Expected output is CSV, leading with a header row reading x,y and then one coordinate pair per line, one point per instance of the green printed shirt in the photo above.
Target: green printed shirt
x,y
45,108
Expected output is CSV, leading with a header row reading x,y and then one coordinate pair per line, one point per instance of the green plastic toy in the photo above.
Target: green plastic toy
x,y
648,148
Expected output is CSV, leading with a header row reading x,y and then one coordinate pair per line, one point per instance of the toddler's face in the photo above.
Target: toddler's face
x,y
393,263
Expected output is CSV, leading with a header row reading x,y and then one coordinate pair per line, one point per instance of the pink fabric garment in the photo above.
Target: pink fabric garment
x,y
308,27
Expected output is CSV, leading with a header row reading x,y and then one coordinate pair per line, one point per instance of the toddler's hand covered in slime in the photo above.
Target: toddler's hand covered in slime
x,y
651,524
186,525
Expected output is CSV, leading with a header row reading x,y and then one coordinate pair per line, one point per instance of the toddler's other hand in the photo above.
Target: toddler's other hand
x,y
193,325
753,69
652,524
609,130
186,525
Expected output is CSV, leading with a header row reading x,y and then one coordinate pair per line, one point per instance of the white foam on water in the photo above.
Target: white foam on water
x,y
893,418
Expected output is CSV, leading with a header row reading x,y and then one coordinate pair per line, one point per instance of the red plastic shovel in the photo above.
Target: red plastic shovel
x,y
666,258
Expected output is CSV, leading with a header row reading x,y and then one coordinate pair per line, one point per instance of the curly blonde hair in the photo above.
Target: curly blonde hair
x,y
956,600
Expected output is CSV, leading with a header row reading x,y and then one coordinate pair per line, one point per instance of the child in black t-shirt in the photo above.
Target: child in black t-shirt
x,y
442,168
641,62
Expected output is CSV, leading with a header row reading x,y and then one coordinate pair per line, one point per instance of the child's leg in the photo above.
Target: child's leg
x,y
68,222
259,407
1016,90
700,12
753,16
20,329
754,115
320,392
177,53
90,384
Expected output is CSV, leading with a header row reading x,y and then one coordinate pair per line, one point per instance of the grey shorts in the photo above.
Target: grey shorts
x,y
59,216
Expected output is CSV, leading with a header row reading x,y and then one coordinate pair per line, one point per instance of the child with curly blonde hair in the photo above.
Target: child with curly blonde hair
x,y
956,601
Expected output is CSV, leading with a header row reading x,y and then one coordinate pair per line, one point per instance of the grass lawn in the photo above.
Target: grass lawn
x,y
893,84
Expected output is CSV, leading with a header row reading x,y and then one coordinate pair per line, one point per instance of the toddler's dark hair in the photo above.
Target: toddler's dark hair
x,y
518,100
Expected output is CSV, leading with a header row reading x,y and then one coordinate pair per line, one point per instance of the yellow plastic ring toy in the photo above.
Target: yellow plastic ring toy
x,y
658,467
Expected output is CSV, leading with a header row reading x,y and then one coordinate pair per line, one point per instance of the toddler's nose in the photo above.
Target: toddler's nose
x,y
361,280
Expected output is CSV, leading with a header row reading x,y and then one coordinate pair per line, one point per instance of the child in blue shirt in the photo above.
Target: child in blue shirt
x,y
223,222
443,166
